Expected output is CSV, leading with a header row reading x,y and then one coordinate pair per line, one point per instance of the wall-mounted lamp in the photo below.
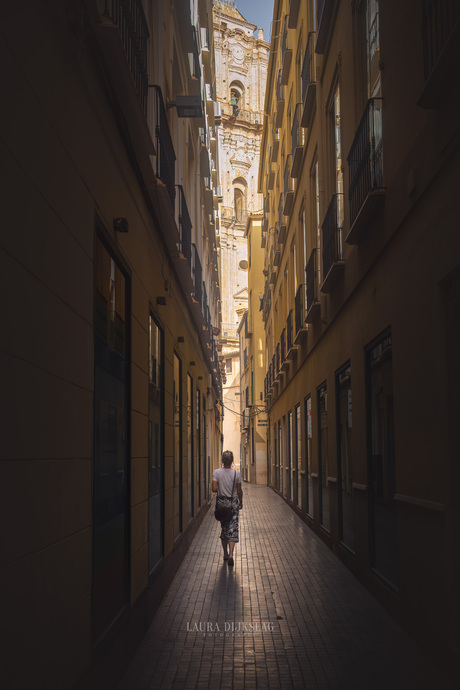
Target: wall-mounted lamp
x,y
192,364
161,300
120,225
187,106
180,339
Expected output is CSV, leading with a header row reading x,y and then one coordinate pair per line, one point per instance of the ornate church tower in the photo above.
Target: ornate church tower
x,y
241,73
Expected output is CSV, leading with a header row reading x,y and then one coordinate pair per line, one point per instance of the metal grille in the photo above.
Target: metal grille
x,y
166,158
185,227
365,157
438,20
333,234
129,16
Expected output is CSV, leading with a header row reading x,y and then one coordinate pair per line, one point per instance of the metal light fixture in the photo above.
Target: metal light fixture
x,y
187,106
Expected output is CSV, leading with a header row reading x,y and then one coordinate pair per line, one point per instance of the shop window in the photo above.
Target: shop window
x,y
345,460
156,442
323,458
381,460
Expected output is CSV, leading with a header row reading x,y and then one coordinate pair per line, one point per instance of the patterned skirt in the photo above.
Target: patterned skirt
x,y
230,527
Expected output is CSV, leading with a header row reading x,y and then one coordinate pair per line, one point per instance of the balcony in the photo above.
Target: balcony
x,y
309,80
266,213
208,198
275,146
197,276
281,227
300,329
332,242
290,345
313,306
324,13
166,158
366,193
270,179
194,59
286,53
279,101
294,6
185,227
123,43
210,102
283,361
206,54
277,360
297,142
289,188
441,57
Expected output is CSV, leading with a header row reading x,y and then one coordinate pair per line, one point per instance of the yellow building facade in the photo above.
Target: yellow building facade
x,y
253,418
362,261
110,151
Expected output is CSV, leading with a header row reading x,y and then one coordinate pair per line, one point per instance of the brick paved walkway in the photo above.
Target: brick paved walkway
x,y
328,631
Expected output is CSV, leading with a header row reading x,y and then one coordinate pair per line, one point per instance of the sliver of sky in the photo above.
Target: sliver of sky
x,y
258,12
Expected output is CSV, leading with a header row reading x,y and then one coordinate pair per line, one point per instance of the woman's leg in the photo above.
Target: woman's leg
x,y
231,546
225,548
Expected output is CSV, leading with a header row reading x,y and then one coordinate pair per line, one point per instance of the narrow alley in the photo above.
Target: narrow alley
x,y
288,615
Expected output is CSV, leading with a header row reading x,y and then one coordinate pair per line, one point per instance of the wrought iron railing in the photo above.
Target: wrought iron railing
x,y
279,88
297,133
289,335
277,361
185,227
288,180
365,157
283,345
280,211
299,308
284,40
254,117
319,11
311,280
166,158
129,16
308,72
333,234
197,275
438,20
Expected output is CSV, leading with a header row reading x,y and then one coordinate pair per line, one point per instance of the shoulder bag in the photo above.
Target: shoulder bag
x,y
224,513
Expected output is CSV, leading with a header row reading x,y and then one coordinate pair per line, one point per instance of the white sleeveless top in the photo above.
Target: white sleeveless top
x,y
225,479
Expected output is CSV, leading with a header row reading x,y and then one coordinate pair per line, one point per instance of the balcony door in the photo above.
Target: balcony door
x,y
111,470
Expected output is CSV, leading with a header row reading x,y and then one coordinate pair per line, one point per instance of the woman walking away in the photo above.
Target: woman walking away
x,y
227,484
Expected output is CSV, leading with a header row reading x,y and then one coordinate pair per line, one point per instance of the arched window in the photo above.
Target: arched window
x,y
236,97
239,199
239,204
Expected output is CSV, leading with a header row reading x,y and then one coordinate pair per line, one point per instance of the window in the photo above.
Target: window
x,y
289,469
156,442
345,462
228,365
190,463
371,43
381,459
297,458
198,446
334,119
308,457
177,447
111,468
238,204
323,458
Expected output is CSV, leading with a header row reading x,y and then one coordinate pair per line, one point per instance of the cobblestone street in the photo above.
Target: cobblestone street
x,y
288,615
